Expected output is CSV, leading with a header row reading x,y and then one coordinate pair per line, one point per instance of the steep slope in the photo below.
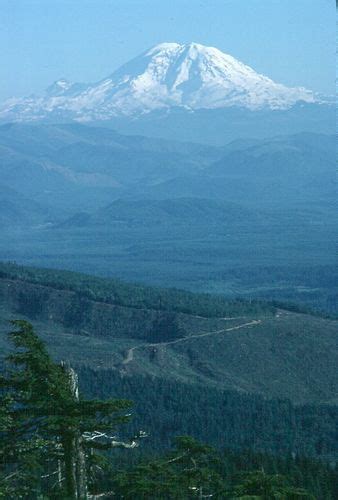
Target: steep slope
x,y
191,76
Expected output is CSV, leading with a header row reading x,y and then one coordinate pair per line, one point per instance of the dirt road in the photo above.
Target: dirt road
x,y
130,353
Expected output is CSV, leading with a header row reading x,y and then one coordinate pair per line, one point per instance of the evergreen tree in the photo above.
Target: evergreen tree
x,y
258,485
165,328
194,470
51,444
188,472
47,431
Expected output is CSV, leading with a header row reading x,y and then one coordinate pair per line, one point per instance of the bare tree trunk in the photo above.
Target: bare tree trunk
x,y
60,473
70,477
80,467
75,460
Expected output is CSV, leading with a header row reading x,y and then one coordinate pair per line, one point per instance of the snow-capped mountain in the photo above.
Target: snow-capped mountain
x,y
192,76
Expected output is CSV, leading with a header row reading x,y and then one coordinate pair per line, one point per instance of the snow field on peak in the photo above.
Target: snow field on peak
x,y
170,74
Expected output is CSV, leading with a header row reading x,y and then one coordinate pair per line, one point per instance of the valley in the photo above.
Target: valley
x,y
253,218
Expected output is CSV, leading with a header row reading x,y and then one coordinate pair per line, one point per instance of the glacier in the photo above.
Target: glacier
x,y
191,76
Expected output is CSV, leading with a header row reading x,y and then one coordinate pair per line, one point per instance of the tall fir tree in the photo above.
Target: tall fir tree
x,y
48,432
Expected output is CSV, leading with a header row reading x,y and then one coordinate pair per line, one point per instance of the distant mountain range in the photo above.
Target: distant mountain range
x,y
73,168
168,212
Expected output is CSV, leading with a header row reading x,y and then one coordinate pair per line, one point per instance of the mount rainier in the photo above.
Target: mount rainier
x,y
170,75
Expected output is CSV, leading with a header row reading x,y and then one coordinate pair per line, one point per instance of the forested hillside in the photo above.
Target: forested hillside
x,y
166,408
57,444
249,346
115,292
235,374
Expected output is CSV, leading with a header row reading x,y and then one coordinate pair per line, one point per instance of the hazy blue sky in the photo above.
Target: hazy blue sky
x,y
292,41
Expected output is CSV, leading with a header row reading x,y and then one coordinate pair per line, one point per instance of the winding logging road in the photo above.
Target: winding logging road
x,y
130,353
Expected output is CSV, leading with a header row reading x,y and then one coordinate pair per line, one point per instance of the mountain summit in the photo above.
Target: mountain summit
x,y
169,75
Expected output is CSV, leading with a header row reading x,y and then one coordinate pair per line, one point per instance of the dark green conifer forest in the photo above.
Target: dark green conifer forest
x,y
57,444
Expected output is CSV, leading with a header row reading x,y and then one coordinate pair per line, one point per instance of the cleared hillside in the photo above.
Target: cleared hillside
x,y
247,347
